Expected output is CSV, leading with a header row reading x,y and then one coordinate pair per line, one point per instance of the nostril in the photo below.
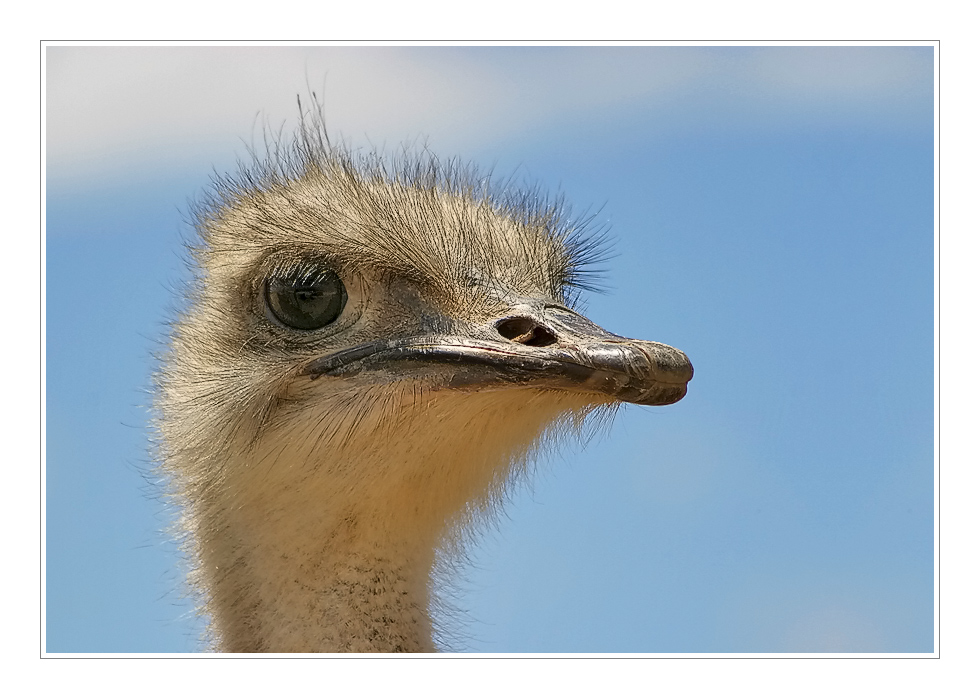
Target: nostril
x,y
526,332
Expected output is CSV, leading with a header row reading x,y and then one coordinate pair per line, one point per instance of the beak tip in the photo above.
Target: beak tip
x,y
667,364
669,369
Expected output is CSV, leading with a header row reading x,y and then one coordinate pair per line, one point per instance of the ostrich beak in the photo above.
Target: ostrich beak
x,y
548,346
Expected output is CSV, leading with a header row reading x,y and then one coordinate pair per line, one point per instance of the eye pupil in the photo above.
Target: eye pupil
x,y
306,301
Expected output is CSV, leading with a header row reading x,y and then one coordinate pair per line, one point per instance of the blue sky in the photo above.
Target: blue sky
x,y
772,213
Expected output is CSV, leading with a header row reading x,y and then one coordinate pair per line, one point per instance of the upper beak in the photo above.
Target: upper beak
x,y
548,347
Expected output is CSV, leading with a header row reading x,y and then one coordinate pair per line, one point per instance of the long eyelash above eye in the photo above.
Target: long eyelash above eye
x,y
314,275
305,271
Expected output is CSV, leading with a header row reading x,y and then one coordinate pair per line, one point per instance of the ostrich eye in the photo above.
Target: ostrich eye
x,y
306,301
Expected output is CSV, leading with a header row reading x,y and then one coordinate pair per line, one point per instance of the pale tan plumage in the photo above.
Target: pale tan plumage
x,y
321,471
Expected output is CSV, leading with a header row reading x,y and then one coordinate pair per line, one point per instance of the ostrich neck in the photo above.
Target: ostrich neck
x,y
303,588
317,555
326,538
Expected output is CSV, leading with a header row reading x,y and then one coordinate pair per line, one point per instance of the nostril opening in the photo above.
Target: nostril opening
x,y
526,332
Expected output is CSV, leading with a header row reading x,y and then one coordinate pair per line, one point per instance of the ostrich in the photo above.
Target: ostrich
x,y
369,355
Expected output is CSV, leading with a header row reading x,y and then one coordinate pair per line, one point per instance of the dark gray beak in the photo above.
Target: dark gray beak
x,y
539,345
549,347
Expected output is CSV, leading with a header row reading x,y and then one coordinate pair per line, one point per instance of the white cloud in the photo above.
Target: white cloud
x,y
111,107
818,73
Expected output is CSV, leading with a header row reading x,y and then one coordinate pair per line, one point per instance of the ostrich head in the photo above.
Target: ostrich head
x,y
367,356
